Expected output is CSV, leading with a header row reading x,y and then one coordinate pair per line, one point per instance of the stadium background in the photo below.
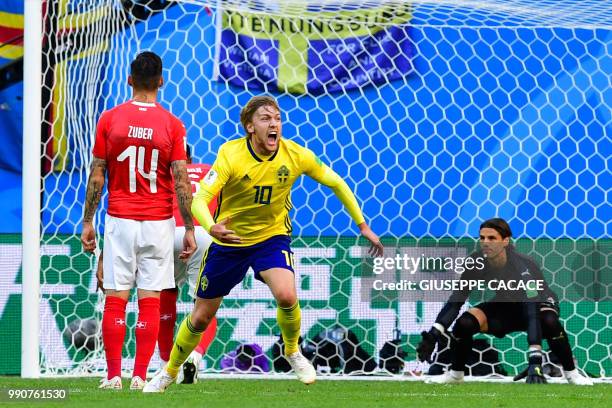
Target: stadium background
x,y
515,125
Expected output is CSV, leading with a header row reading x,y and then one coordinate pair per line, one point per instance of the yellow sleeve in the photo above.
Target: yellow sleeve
x,y
210,186
314,168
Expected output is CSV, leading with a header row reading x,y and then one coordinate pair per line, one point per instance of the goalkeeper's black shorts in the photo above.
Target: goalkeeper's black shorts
x,y
506,317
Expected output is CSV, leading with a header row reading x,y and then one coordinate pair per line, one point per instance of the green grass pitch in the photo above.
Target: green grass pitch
x,y
337,394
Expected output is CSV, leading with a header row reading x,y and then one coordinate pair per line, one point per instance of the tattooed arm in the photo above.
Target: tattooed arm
x,y
182,186
183,191
95,184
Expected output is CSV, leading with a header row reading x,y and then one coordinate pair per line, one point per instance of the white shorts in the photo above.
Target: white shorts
x,y
138,253
189,271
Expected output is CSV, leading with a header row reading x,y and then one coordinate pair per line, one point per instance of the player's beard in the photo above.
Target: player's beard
x,y
267,143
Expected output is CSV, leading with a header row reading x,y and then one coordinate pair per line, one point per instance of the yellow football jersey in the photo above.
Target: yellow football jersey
x,y
255,191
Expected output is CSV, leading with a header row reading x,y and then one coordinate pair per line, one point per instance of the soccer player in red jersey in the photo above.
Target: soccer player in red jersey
x,y
140,146
186,272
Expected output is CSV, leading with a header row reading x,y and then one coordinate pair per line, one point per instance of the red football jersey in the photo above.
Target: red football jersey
x,y
139,141
196,172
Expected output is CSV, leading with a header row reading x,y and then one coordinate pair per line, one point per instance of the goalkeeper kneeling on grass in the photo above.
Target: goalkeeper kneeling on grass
x,y
509,311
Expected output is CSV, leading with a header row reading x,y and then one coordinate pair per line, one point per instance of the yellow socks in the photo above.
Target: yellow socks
x,y
290,320
187,338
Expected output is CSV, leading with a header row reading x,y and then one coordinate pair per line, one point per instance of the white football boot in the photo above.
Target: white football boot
x,y
159,382
137,383
449,377
112,384
575,378
302,368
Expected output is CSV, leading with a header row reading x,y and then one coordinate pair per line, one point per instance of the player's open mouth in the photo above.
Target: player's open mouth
x,y
272,136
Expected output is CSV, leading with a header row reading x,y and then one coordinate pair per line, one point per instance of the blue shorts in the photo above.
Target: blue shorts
x,y
223,267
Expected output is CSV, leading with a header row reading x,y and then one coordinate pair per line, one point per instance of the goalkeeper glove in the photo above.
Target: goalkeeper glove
x,y
534,371
428,343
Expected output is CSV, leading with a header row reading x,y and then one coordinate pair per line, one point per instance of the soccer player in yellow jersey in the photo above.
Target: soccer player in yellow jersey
x,y
252,177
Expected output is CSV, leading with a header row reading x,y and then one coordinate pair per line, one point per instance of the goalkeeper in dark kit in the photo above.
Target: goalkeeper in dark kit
x,y
533,311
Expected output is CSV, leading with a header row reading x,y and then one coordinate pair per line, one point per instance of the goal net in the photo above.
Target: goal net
x,y
438,114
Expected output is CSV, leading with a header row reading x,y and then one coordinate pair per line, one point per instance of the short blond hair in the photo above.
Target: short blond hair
x,y
256,102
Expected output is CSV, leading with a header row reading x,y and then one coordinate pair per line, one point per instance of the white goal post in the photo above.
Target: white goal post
x,y
32,113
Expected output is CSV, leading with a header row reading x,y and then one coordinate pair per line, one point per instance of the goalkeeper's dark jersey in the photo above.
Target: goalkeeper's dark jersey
x,y
518,268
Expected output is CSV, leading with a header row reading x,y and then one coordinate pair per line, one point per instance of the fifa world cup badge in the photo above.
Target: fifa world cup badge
x,y
210,177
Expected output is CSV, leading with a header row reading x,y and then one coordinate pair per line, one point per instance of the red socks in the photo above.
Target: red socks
x,y
147,329
113,333
167,320
207,337
156,319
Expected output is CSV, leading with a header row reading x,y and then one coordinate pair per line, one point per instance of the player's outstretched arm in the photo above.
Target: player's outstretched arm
x,y
332,180
326,176
376,248
182,187
95,184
